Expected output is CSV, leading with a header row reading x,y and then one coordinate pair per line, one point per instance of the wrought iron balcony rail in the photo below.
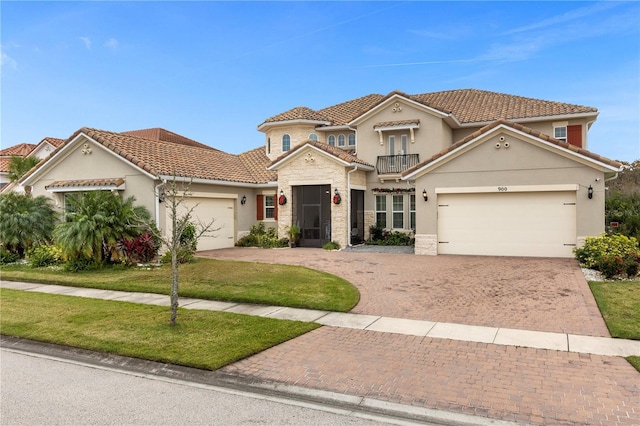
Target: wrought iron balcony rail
x,y
389,164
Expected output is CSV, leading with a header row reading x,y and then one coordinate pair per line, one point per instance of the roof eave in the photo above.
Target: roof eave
x,y
267,125
534,119
167,178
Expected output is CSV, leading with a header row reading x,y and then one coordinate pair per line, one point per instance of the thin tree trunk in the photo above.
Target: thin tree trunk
x,y
174,287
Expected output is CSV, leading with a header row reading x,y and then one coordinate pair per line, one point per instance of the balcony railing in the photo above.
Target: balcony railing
x,y
389,164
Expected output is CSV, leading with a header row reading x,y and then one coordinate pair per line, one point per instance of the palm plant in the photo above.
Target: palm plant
x,y
18,166
95,222
25,221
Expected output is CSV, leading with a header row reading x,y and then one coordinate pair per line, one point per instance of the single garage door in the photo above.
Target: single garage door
x,y
507,224
220,209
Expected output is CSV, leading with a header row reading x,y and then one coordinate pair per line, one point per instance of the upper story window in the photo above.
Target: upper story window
x,y
341,140
332,140
286,143
268,145
352,139
313,137
560,133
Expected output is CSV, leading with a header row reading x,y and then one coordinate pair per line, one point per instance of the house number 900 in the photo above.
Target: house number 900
x,y
502,189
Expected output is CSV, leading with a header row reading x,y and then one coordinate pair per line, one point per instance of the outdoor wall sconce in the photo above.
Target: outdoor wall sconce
x,y
281,192
336,196
243,200
424,195
590,192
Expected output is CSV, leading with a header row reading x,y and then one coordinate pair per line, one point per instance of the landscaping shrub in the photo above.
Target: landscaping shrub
x,y
188,246
379,236
25,222
331,245
259,236
45,256
612,255
141,249
7,257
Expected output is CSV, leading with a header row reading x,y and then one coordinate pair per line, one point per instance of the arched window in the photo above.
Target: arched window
x,y
341,140
313,137
332,140
286,143
352,139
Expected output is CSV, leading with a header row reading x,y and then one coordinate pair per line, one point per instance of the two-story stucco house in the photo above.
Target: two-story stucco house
x,y
467,171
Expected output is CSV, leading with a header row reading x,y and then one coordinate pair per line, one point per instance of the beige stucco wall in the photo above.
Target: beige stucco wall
x,y
312,167
523,163
432,136
299,133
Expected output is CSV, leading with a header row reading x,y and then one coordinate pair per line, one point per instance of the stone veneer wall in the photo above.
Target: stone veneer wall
x,y
426,244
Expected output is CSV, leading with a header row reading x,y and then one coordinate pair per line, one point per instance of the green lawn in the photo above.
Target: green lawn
x,y
619,303
202,339
280,285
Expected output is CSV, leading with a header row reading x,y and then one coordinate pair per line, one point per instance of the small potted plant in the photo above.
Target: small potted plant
x,y
293,232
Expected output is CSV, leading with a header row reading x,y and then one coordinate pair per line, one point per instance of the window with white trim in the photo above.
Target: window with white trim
x,y
404,149
392,150
352,139
341,140
332,140
313,136
286,143
381,210
397,205
269,206
412,211
560,133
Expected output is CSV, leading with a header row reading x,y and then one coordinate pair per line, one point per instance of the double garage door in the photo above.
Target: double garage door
x,y
507,223
220,209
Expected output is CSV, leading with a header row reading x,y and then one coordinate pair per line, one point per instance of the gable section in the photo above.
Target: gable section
x,y
396,107
310,154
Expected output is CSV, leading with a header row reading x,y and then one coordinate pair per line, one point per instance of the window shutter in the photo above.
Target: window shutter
x,y
275,206
574,135
260,207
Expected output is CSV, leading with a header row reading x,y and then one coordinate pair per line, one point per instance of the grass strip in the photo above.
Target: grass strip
x,y
619,303
244,282
202,339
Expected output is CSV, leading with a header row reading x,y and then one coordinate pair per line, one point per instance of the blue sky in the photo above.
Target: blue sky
x,y
213,71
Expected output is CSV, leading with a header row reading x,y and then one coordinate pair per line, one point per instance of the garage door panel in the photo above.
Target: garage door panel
x,y
221,210
507,224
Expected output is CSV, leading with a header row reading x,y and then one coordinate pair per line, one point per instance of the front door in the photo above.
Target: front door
x,y
313,213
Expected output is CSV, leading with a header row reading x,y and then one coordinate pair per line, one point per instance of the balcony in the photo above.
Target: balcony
x,y
396,164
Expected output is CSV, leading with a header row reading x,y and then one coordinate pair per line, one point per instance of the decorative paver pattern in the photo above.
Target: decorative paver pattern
x,y
539,294
510,383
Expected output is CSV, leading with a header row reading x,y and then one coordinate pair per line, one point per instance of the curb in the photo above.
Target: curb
x,y
341,403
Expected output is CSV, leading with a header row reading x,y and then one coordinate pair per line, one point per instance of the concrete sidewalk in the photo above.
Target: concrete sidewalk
x,y
439,330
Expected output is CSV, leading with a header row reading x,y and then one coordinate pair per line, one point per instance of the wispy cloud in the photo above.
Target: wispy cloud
x,y
87,42
446,61
111,44
7,61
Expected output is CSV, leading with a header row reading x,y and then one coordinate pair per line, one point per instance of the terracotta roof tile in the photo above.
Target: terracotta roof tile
x,y
256,161
21,150
297,113
53,141
467,105
396,123
4,165
340,153
85,183
520,128
160,134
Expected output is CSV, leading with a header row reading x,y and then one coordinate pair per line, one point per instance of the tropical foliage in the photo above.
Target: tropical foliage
x,y
622,205
25,222
612,255
96,222
18,166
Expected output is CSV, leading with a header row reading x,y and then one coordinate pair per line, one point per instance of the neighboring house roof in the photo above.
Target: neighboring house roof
x,y
468,106
165,158
159,134
21,150
256,161
336,152
4,165
515,126
53,141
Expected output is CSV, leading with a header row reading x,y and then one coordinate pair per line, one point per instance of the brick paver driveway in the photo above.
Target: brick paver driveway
x,y
510,383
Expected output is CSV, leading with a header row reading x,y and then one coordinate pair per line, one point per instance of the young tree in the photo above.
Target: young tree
x,y
18,166
182,224
25,221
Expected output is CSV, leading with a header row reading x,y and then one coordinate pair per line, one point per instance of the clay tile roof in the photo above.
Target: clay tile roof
x,y
256,161
20,150
334,151
520,128
4,165
345,112
396,123
476,106
159,134
85,183
53,141
297,113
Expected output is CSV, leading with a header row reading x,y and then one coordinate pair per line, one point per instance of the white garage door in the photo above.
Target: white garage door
x,y
220,209
507,224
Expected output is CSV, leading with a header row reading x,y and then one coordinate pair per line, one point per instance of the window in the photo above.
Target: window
x,y
269,206
332,140
398,211
560,133
352,139
412,211
313,136
341,140
286,143
392,150
381,210
268,145
403,149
